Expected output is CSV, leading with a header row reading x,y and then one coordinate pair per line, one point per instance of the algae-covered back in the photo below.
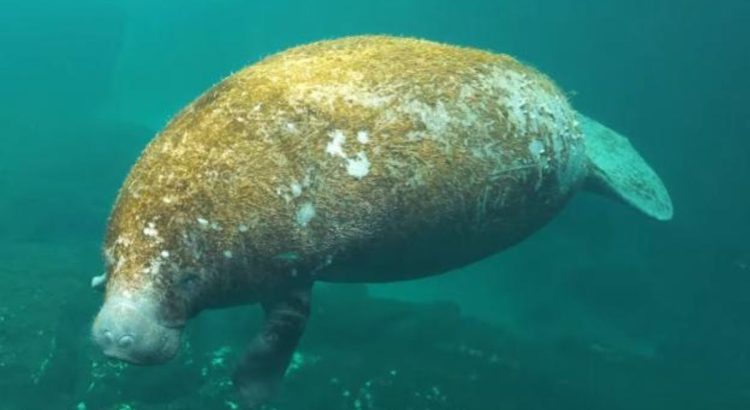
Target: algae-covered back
x,y
366,146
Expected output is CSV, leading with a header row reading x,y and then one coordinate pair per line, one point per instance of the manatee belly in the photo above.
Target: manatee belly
x,y
435,249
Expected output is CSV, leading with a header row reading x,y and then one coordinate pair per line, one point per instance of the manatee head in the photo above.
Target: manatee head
x,y
149,296
163,267
183,236
132,328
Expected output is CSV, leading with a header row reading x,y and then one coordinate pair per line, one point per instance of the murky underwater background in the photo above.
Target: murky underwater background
x,y
603,309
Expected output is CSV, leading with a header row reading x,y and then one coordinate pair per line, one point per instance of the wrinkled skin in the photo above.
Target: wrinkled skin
x,y
130,329
143,325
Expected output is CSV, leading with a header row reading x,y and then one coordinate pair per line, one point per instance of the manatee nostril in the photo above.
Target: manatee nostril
x,y
131,330
126,341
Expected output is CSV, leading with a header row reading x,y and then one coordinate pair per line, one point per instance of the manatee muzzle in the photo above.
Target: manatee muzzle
x,y
129,329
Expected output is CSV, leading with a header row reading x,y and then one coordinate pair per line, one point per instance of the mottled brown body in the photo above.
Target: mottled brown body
x,y
360,159
365,159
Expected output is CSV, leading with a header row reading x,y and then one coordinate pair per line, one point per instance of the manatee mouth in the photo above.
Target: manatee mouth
x,y
128,329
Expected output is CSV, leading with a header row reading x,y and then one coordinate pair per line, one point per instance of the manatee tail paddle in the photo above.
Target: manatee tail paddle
x,y
617,170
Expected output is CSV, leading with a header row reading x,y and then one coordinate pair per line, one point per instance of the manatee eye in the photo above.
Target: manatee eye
x,y
188,282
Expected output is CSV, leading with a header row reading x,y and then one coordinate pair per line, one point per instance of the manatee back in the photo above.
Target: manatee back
x,y
376,148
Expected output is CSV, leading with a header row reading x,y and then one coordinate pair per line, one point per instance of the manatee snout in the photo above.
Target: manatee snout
x,y
129,329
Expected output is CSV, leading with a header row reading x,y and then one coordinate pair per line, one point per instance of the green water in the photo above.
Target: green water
x,y
602,309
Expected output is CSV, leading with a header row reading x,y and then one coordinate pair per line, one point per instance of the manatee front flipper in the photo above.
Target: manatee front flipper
x,y
263,367
99,282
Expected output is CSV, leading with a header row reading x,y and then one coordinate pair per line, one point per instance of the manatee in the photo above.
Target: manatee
x,y
362,159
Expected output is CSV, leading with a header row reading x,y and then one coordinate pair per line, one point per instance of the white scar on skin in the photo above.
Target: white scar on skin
x,y
336,146
363,137
305,214
358,167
